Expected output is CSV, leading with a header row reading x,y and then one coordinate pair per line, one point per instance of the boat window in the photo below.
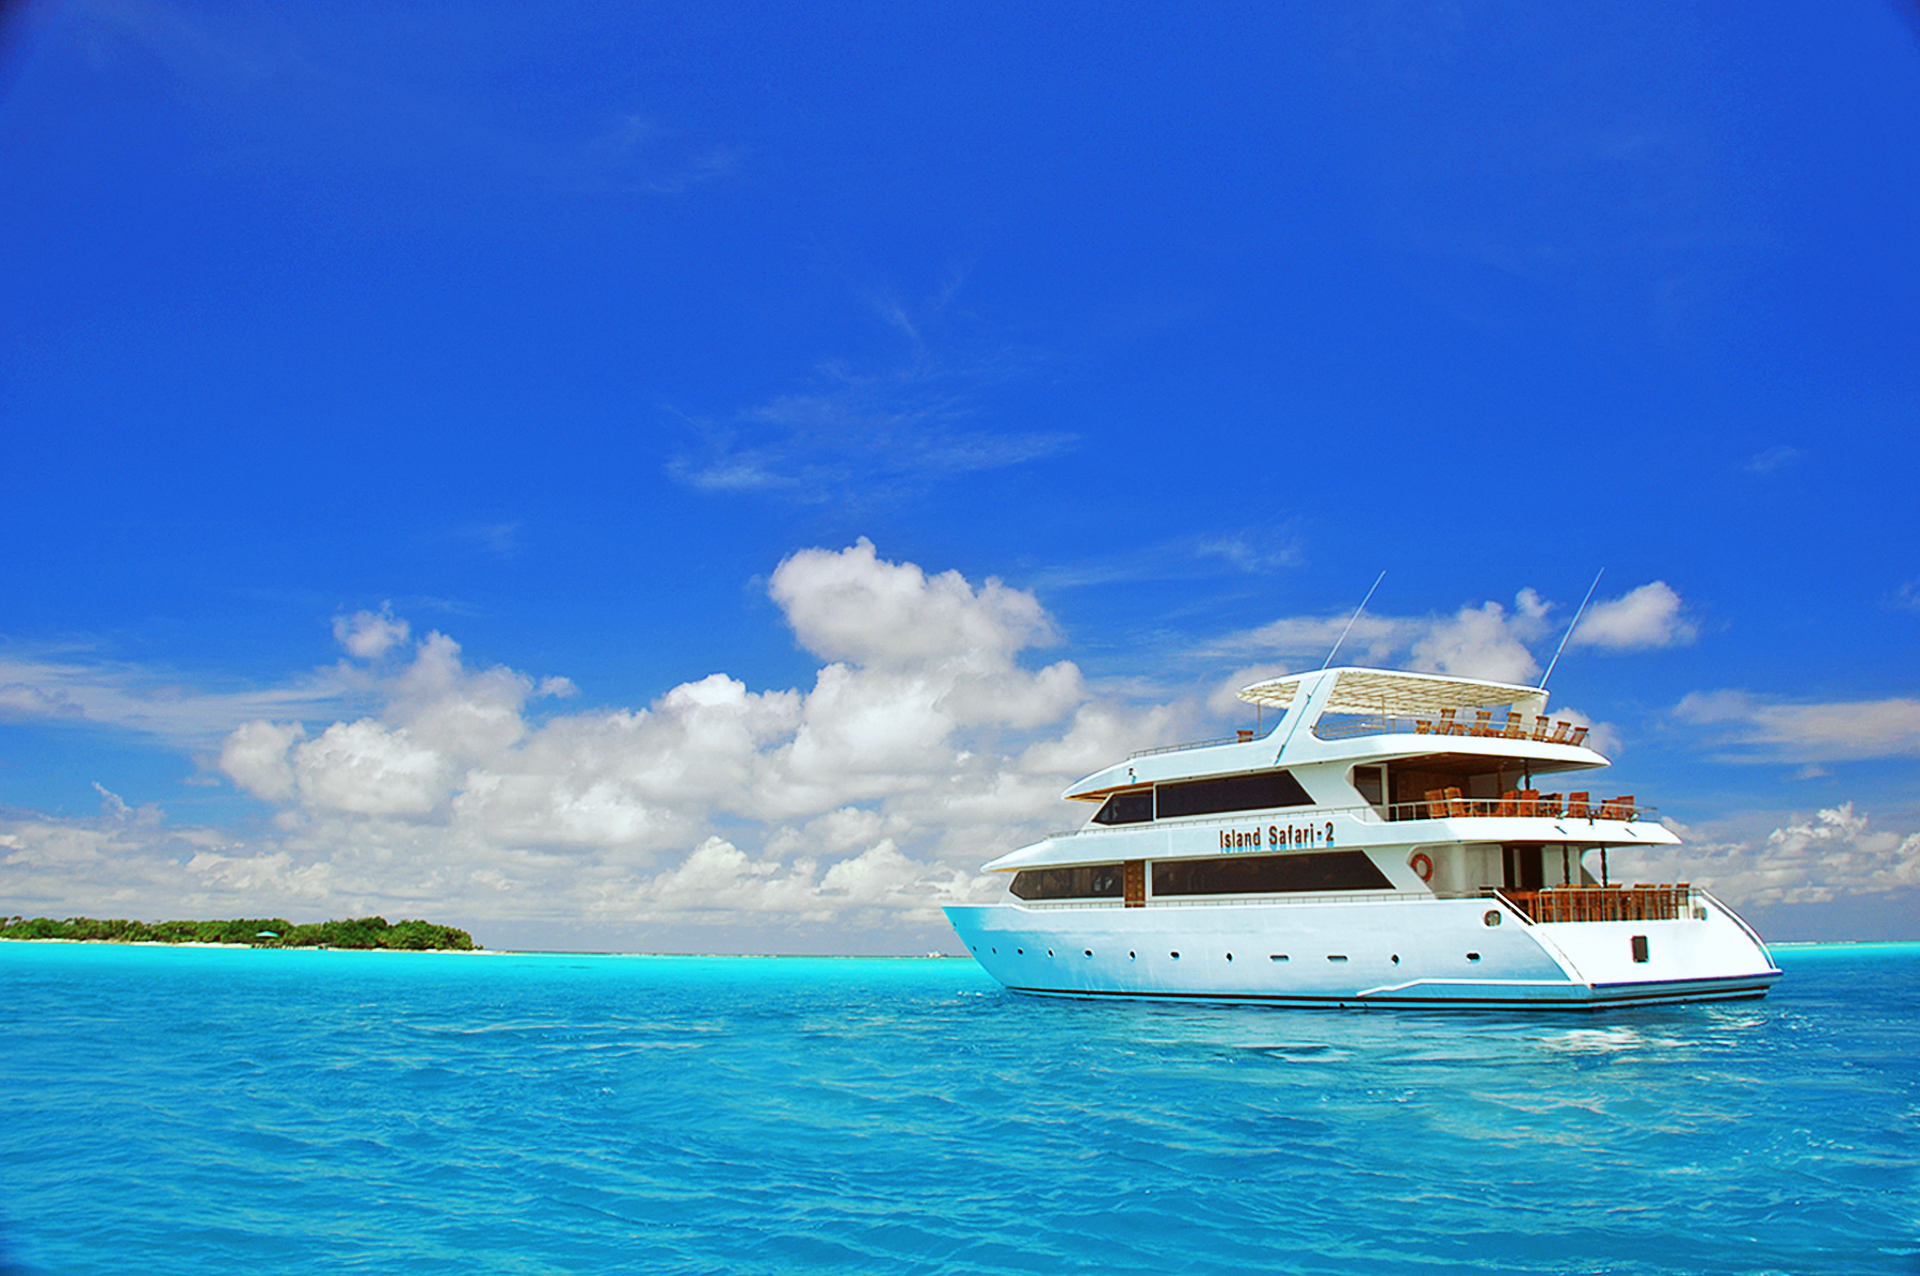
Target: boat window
x,y
1087,881
1269,874
1132,807
1254,792
1370,781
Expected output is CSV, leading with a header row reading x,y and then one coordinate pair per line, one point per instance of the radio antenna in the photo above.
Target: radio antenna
x,y
1356,615
1576,620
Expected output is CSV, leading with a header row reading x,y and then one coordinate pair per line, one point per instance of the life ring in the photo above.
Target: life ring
x,y
1422,865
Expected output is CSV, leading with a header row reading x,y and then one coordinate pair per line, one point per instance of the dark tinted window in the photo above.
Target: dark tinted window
x,y
1235,793
1127,808
1265,874
1094,881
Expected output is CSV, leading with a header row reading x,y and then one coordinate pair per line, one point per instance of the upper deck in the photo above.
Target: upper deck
x,y
1355,715
1389,693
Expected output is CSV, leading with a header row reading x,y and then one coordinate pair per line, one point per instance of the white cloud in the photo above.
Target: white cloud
x,y
255,756
1372,640
1252,552
370,769
369,635
1647,617
849,605
1760,730
77,687
1834,853
923,747
1487,640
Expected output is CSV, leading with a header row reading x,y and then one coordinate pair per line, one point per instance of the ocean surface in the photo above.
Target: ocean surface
x,y
194,1110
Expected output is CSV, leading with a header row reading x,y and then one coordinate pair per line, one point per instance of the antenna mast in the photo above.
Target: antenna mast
x,y
1576,620
1356,615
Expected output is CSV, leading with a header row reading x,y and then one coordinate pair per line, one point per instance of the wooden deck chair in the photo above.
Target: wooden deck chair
x,y
1516,728
1482,722
1550,806
1447,725
1456,805
1529,802
1577,805
1436,803
1540,726
1579,736
1509,802
1422,726
1560,730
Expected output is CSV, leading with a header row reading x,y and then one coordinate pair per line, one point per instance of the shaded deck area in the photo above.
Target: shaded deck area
x,y
1642,903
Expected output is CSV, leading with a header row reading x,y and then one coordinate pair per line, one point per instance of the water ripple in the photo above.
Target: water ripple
x,y
384,1112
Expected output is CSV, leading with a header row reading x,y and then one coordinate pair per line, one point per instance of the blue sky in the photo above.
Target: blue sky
x,y
706,477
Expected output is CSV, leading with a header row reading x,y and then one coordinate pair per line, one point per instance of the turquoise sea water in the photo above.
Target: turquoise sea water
x,y
187,1110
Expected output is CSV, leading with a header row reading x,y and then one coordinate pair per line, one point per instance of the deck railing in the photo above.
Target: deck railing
x,y
1348,726
1517,726
1239,738
1643,903
1444,804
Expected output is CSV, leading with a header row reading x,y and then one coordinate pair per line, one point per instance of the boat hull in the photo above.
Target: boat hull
x,y
1397,952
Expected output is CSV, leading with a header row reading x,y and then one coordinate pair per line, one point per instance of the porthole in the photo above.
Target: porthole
x,y
1492,918
1473,956
1229,956
1175,956
1276,956
1088,951
1130,956
1336,956
1021,951
1049,952
993,950
1396,959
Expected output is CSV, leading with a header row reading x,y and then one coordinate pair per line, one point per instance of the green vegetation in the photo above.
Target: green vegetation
x,y
362,932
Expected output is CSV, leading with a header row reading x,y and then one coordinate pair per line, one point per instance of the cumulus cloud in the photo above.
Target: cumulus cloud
x,y
255,758
1803,860
1757,729
370,769
849,605
927,743
369,635
1647,617
1484,640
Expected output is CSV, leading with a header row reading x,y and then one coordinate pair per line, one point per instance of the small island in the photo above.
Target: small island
x,y
255,932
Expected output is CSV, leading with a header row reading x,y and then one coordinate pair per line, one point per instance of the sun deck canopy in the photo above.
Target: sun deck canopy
x,y
1393,694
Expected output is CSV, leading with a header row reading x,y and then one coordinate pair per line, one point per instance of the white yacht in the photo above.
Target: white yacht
x,y
1387,843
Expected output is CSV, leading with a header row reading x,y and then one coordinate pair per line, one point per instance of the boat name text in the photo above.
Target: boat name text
x,y
1276,835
